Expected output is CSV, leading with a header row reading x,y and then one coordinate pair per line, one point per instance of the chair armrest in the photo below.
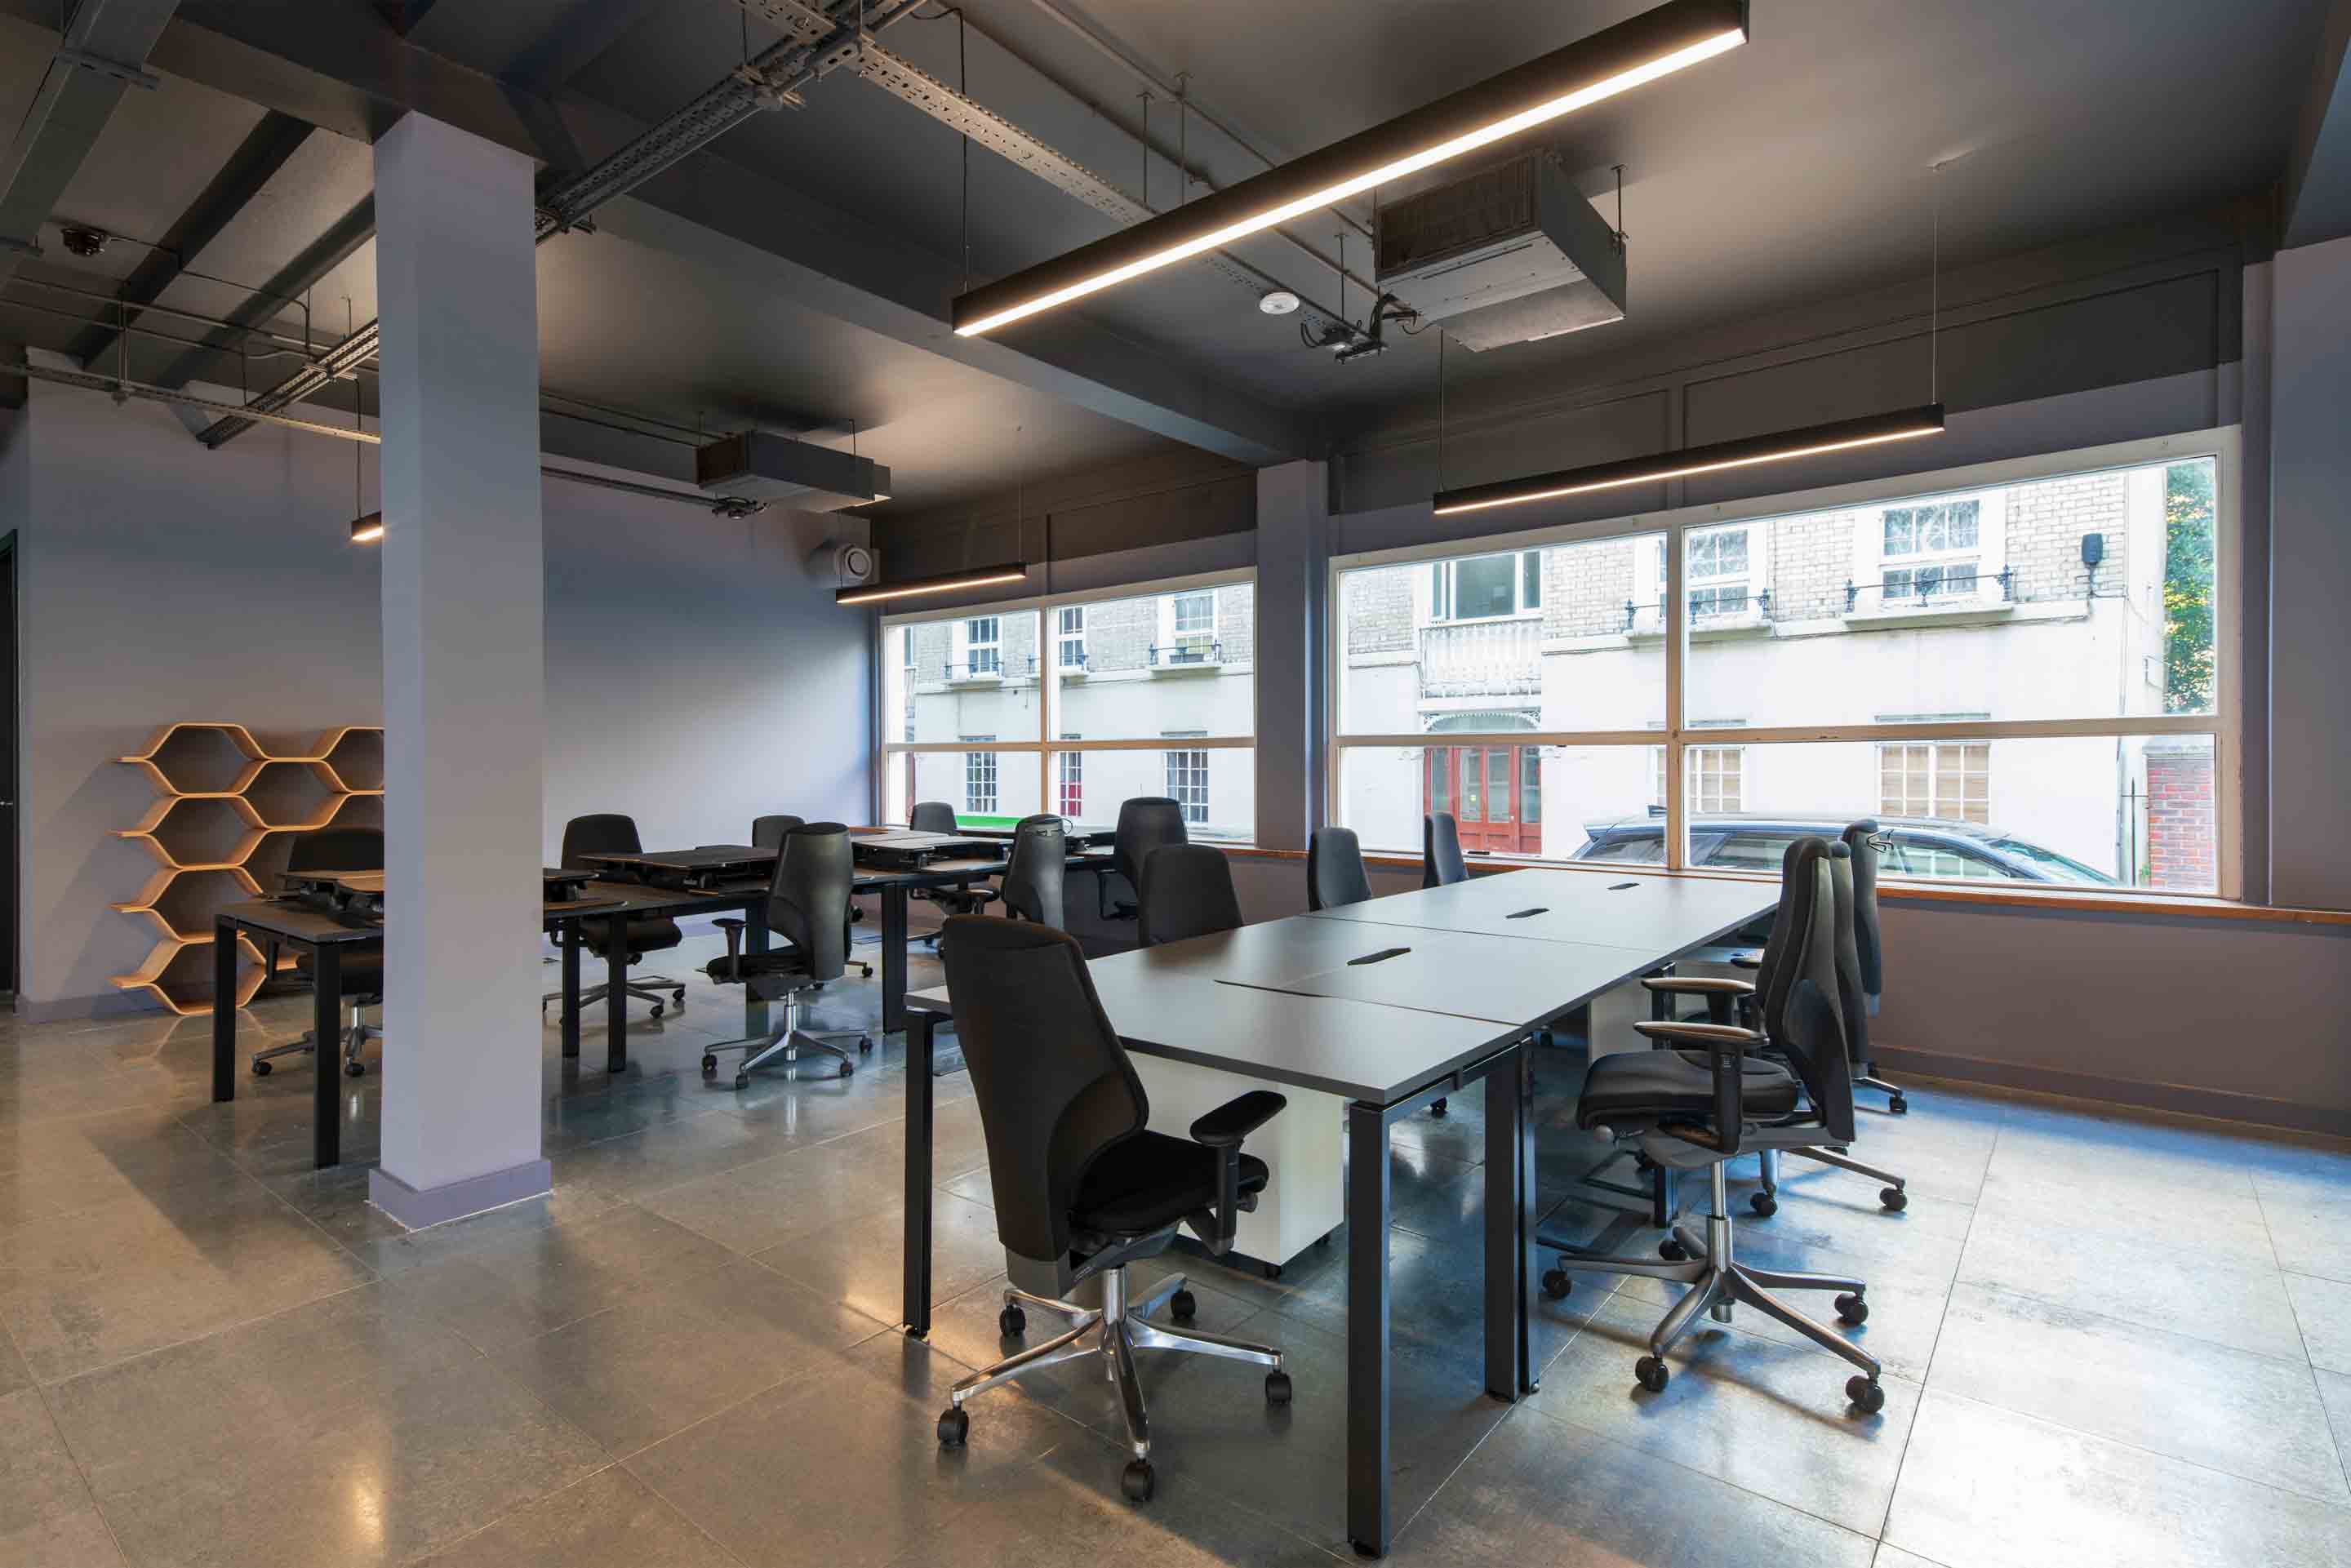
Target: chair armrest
x,y
1699,985
1747,958
1228,1125
1703,1036
734,929
1724,1044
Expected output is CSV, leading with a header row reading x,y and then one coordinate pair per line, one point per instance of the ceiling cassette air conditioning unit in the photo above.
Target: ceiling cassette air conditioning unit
x,y
1507,254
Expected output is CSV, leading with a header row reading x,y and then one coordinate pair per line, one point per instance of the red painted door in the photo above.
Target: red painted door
x,y
1493,792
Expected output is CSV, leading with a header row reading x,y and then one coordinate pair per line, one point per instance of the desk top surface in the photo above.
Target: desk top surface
x,y
1664,917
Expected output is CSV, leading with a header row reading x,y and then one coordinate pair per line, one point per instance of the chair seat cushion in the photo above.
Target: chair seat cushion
x,y
1637,1085
361,974
649,935
1149,1181
729,971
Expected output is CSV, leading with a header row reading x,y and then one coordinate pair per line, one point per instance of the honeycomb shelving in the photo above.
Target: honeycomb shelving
x,y
218,829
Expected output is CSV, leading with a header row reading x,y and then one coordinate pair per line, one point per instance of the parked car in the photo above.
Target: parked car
x,y
1914,846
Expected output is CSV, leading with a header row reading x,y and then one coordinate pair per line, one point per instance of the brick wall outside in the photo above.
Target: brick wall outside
x,y
2045,525
1378,609
1585,588
1811,557
2181,852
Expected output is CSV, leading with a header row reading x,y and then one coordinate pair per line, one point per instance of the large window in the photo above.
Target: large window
x,y
2016,669
1082,703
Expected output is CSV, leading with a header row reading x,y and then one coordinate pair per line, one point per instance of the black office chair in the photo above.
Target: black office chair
x,y
767,833
611,833
1082,1186
1032,887
1869,942
808,907
938,817
1144,823
1708,1098
1187,891
1441,864
1334,869
338,849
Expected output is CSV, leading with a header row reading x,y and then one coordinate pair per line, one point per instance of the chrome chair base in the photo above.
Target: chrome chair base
x,y
1894,1196
789,1043
1718,1284
1113,1331
354,1035
645,988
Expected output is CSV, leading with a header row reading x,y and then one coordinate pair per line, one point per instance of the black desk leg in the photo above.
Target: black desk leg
x,y
616,999
224,1010
568,935
894,957
914,1307
1367,1329
754,942
326,1030
1510,1225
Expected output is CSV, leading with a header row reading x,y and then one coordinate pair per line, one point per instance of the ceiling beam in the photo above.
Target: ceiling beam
x,y
103,50
335,63
291,282
263,151
587,29
2318,172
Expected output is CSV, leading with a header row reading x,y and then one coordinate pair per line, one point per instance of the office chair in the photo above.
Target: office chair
x,y
767,833
1708,1098
1144,823
938,817
1334,869
1082,1186
1862,839
1187,891
808,907
1032,887
611,833
1441,864
1723,994
338,849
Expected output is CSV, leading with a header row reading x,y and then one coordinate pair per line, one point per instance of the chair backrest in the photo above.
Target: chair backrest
x,y
1187,891
1862,839
933,817
1144,823
337,849
1441,864
600,833
1813,951
807,901
767,833
1334,869
1053,1084
1031,886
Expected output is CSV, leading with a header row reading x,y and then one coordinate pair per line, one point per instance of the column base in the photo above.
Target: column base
x,y
439,1205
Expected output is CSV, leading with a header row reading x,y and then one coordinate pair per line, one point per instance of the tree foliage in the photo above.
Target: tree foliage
x,y
2188,529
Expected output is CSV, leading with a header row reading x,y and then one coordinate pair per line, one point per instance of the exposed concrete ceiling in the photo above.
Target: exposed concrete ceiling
x,y
1790,170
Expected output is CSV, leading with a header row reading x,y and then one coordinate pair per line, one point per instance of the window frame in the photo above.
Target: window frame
x,y
1439,609
1064,637
1040,746
2225,722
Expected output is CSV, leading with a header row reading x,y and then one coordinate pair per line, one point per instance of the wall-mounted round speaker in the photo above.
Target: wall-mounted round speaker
x,y
854,564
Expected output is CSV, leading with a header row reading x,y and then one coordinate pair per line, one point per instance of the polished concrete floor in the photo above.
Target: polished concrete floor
x,y
2109,1340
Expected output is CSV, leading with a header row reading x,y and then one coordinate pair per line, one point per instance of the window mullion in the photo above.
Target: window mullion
x,y
1676,791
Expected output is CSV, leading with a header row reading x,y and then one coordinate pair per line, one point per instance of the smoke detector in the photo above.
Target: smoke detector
x,y
1278,302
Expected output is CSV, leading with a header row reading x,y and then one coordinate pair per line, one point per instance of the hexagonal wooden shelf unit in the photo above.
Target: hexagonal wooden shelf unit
x,y
221,797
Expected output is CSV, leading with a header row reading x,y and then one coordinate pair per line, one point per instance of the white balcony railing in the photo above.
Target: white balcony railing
x,y
1481,658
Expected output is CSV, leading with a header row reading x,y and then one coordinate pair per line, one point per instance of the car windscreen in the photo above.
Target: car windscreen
x,y
2059,867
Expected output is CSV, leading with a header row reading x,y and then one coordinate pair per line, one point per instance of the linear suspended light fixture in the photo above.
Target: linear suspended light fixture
x,y
1653,43
944,582
367,530
1744,452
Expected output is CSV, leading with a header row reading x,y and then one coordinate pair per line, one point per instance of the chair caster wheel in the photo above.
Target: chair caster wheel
x,y
1137,1480
1895,1199
742,1081
1436,1107
845,1070
954,1426
1764,1205
261,1069
865,1044
678,1000
1277,1388
1898,1106
1182,1305
1852,1311
1011,1322
355,1070
1556,1284
709,1066
1672,1251
1864,1393
1650,1373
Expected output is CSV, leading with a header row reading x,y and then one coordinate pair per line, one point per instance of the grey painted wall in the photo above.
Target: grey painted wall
x,y
698,674
2310,604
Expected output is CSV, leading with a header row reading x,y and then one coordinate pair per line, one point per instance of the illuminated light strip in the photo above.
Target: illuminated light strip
x,y
1726,30
367,529
1742,453
978,576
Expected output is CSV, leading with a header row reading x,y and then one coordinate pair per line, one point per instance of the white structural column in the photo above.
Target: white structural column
x,y
464,673
1293,558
